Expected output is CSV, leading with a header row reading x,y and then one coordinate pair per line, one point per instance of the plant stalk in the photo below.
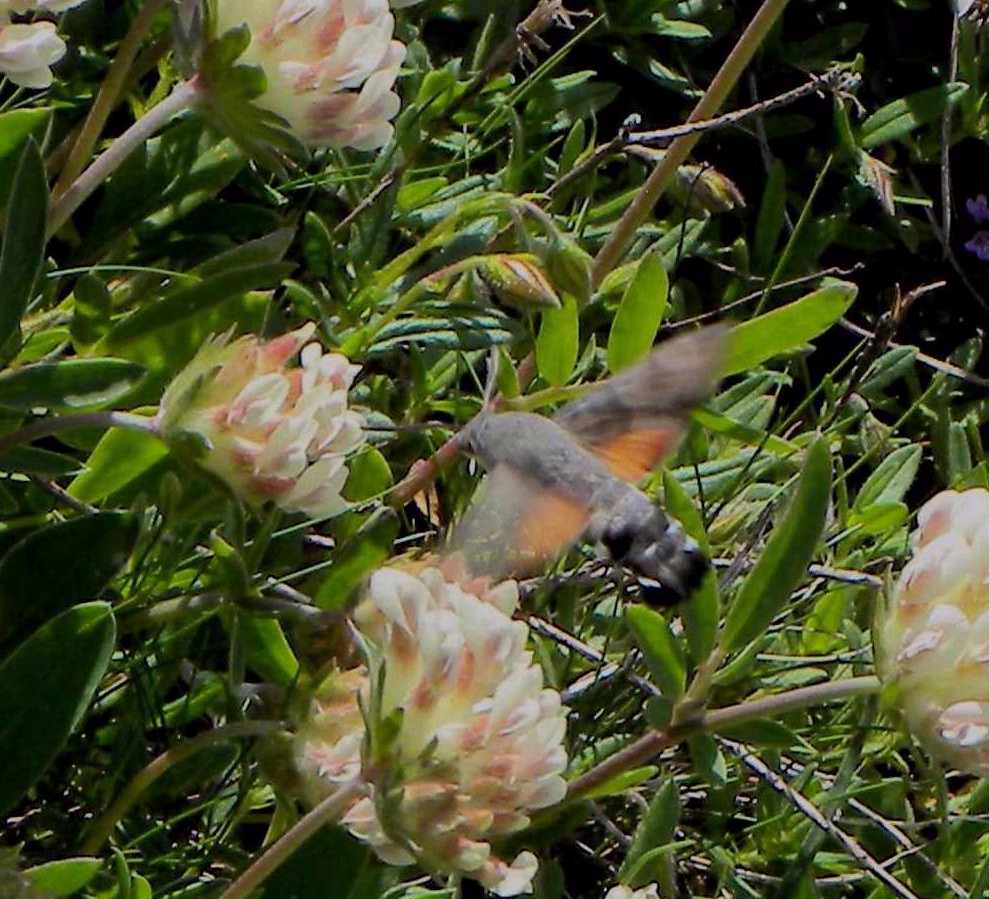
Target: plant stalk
x,y
103,826
183,97
707,107
651,744
47,427
328,811
108,95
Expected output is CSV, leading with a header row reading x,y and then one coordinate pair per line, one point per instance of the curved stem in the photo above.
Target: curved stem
x,y
707,107
103,826
329,810
655,742
109,94
182,97
46,427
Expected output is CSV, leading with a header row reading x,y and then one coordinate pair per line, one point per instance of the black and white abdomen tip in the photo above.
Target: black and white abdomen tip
x,y
667,563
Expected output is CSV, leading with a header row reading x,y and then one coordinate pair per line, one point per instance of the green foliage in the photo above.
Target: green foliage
x,y
142,606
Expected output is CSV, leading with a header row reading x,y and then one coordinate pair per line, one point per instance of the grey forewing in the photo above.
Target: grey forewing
x,y
670,381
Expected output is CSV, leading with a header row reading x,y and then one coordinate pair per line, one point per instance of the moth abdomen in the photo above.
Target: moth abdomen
x,y
667,563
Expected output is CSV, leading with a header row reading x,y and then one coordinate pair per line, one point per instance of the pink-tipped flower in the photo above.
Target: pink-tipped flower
x,y
330,65
271,430
479,740
935,640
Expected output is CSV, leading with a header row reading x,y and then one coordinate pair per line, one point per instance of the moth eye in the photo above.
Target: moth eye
x,y
618,539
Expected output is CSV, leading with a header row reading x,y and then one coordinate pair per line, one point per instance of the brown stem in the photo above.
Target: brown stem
x,y
108,96
707,107
653,743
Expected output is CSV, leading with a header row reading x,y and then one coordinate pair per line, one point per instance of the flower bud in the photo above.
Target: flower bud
x,y
569,268
518,279
935,639
475,742
701,187
329,64
270,431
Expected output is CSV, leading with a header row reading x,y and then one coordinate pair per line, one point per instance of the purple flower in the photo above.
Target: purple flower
x,y
979,245
978,208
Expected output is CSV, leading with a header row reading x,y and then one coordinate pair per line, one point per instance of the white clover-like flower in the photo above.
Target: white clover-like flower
x,y
481,740
330,65
272,432
29,50
935,640
651,891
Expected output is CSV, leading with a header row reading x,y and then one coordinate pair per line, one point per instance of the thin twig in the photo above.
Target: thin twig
x,y
663,137
945,367
48,427
108,95
813,814
654,742
103,826
715,96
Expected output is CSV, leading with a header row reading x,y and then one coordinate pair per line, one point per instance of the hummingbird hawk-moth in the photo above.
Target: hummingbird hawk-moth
x,y
553,480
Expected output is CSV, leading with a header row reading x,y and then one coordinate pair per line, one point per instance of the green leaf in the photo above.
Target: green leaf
x,y
56,670
330,863
31,460
762,732
120,457
637,320
267,649
728,427
24,239
558,342
660,649
622,782
16,127
63,878
657,827
892,478
753,342
70,385
186,302
700,614
769,225
789,550
899,118
355,560
81,557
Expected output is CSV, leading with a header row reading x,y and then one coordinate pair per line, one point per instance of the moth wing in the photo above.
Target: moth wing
x,y
514,526
634,419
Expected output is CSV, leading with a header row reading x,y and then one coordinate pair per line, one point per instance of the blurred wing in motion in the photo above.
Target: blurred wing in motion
x,y
636,418
514,526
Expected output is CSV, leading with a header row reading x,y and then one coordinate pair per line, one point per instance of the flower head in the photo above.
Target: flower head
x,y
623,892
271,431
936,638
477,741
28,51
330,65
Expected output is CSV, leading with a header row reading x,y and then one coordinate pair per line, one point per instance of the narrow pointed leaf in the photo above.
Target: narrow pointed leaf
x,y
789,550
57,670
